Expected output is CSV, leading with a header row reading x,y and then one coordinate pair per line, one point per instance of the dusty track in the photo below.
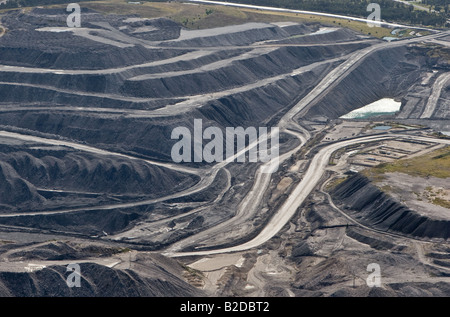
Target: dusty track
x,y
299,194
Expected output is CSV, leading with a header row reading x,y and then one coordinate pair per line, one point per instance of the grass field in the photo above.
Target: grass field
x,y
433,164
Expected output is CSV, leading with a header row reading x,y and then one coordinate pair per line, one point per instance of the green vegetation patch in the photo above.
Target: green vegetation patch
x,y
435,163
441,202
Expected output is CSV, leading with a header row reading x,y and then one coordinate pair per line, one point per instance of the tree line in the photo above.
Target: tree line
x,y
11,4
390,10
439,5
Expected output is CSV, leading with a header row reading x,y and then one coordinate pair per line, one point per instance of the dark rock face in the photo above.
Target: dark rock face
x,y
372,207
53,177
151,136
340,35
376,78
196,223
23,45
159,279
301,249
13,188
116,89
442,108
245,37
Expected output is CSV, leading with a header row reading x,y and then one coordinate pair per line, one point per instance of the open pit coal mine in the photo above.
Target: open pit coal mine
x,y
87,175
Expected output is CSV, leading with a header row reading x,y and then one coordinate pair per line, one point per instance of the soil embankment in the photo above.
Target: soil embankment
x,y
372,207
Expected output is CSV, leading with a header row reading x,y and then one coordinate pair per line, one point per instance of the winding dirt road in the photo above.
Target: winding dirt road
x,y
310,180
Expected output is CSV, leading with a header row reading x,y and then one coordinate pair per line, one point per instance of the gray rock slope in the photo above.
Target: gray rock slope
x,y
149,276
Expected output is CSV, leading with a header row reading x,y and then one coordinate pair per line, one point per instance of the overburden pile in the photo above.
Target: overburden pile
x,y
372,207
